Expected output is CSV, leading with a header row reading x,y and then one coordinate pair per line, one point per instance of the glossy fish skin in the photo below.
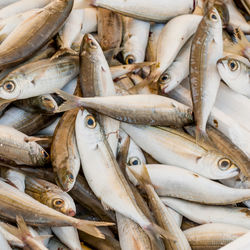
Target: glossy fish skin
x,y
96,80
26,122
135,39
50,195
235,70
138,109
202,214
22,43
44,104
206,50
17,147
37,78
96,152
213,235
4,243
228,148
64,153
168,181
177,71
34,213
172,147
148,10
109,29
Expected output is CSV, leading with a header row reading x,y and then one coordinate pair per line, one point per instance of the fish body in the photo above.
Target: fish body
x,y
206,50
175,148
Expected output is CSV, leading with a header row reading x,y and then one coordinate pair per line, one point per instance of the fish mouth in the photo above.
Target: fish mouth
x,y
163,88
71,213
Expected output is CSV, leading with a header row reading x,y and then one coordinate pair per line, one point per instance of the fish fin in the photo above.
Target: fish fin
x,y
69,101
5,101
33,138
202,138
159,232
140,86
90,227
143,178
64,52
42,237
22,225
245,6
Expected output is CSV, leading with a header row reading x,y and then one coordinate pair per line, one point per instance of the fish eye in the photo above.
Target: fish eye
x,y
58,202
133,161
45,154
213,17
130,59
165,78
233,65
9,86
224,164
92,44
90,121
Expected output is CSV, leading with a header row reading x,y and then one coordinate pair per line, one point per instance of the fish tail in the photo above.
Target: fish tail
x,y
22,225
64,52
69,101
153,229
143,178
202,137
90,227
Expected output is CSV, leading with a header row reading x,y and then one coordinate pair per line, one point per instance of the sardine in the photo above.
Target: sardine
x,y
206,50
169,146
148,10
235,72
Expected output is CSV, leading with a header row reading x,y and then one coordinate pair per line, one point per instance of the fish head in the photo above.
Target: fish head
x,y
61,201
218,166
213,20
38,155
65,179
232,69
48,103
90,48
10,87
165,81
88,127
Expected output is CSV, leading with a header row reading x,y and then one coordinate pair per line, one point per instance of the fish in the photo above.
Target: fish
x,y
4,242
148,10
21,148
168,181
136,109
172,147
213,235
177,71
37,214
96,80
202,214
135,40
37,77
50,194
163,216
241,243
234,70
44,104
206,50
44,25
109,30
121,198
65,158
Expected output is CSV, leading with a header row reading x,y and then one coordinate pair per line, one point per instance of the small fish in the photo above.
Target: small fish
x,y
148,10
50,195
138,109
235,72
206,50
172,147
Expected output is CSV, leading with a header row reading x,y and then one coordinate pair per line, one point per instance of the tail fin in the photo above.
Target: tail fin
x,y
22,225
153,228
202,138
64,52
69,101
90,227
143,178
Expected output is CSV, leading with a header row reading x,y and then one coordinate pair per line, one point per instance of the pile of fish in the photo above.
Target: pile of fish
x,y
124,124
